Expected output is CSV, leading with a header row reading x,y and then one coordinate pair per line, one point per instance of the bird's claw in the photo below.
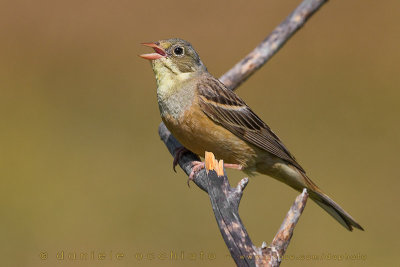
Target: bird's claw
x,y
178,154
196,167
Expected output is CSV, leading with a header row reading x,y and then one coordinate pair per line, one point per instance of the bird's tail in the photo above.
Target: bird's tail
x,y
298,180
331,206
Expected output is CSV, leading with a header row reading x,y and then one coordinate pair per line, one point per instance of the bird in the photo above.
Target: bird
x,y
204,115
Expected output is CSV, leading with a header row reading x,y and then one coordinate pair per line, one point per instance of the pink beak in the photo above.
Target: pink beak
x,y
159,51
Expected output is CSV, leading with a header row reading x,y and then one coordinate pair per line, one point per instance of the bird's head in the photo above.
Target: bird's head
x,y
173,57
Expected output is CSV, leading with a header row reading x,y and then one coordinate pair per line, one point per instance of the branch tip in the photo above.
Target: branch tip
x,y
305,192
242,184
264,245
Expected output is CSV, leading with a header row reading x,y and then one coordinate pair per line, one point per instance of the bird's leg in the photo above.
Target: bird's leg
x,y
233,166
178,154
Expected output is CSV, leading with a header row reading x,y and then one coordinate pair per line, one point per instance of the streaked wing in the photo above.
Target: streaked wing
x,y
224,107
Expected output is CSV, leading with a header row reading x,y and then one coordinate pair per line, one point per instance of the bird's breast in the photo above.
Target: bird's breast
x,y
198,133
175,95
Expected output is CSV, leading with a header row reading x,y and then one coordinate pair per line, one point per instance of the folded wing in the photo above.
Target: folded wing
x,y
224,107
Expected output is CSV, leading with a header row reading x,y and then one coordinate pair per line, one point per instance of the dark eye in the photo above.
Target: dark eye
x,y
178,51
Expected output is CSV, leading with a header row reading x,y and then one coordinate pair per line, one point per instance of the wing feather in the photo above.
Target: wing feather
x,y
224,107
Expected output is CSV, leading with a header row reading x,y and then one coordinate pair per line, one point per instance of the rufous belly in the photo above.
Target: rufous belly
x,y
198,133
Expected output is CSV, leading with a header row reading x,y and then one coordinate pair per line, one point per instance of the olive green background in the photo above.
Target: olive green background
x,y
82,167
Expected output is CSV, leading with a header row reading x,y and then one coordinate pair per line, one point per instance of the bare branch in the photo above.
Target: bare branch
x,y
274,253
282,238
225,202
267,48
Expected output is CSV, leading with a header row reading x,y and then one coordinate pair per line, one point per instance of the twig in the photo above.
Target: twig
x,y
274,253
270,45
224,199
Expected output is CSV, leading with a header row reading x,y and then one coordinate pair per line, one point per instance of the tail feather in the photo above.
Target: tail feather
x,y
298,180
335,210
331,206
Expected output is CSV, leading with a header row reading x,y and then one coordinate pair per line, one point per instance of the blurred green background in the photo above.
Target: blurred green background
x,y
82,167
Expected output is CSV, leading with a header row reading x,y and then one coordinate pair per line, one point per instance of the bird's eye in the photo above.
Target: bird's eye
x,y
178,51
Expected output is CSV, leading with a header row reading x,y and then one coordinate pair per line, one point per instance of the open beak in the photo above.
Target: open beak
x,y
159,51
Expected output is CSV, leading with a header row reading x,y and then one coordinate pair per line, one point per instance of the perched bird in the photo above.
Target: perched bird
x,y
206,116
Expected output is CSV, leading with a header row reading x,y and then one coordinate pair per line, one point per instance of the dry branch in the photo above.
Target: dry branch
x,y
225,202
270,45
224,199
